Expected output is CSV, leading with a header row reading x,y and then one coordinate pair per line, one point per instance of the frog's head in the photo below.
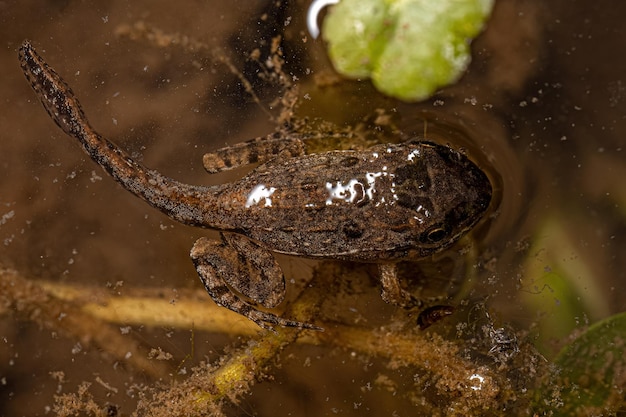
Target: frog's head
x,y
450,193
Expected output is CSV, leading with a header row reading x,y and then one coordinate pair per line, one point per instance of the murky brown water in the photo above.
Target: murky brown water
x,y
542,107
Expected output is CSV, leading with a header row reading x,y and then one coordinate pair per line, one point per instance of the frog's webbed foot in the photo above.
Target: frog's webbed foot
x,y
392,292
259,150
237,267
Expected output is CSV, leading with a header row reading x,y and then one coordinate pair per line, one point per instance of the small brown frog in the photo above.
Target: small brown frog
x,y
386,204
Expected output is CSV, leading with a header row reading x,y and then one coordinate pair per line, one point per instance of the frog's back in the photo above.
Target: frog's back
x,y
387,202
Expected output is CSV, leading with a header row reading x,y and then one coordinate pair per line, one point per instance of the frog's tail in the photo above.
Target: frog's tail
x,y
187,204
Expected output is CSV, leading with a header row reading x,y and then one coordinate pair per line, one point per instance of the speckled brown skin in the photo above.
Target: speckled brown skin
x,y
384,204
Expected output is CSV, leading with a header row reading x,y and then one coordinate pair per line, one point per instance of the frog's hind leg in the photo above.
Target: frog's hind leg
x,y
258,150
238,265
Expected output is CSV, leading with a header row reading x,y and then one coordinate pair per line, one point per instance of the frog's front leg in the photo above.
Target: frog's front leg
x,y
259,150
392,292
236,268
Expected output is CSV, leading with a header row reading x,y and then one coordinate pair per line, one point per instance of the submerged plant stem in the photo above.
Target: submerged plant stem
x,y
29,301
455,377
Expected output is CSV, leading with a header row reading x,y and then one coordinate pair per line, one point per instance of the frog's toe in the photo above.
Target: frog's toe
x,y
267,320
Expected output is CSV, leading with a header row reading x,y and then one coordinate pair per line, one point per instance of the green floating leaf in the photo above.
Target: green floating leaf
x,y
408,47
590,373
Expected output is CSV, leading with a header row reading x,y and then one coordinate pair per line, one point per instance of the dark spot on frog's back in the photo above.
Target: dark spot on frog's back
x,y
413,176
411,200
478,182
412,185
468,172
475,180
349,161
448,155
353,229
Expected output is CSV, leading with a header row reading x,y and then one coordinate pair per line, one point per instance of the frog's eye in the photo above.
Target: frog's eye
x,y
435,234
